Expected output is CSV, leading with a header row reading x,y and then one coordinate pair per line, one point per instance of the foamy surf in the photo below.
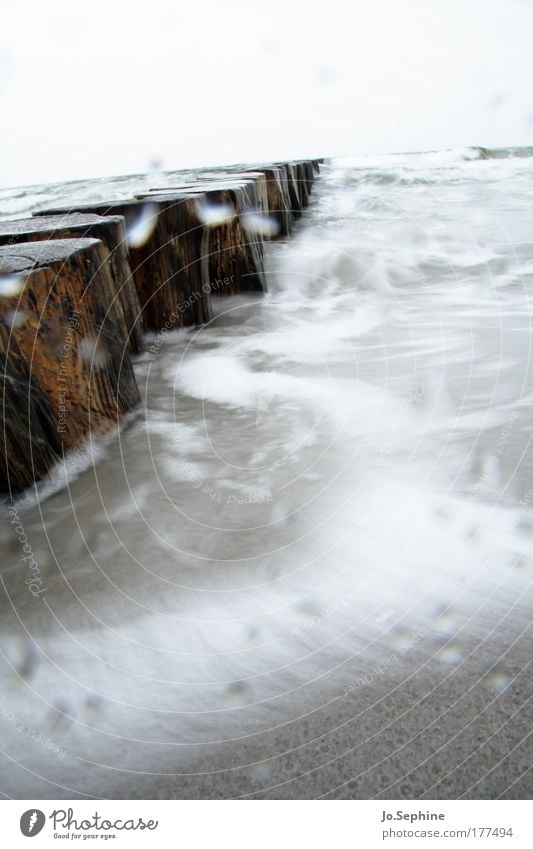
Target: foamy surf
x,y
325,506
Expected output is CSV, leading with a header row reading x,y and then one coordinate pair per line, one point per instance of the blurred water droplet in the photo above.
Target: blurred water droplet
x,y
446,624
155,165
16,319
215,214
326,75
384,616
260,224
471,532
23,658
520,560
92,706
61,716
11,285
400,638
140,229
252,632
499,98
499,682
309,608
94,351
450,655
65,707
261,773
524,525
235,693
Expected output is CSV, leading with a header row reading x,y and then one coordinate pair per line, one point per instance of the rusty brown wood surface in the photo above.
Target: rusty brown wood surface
x,y
168,266
111,231
65,360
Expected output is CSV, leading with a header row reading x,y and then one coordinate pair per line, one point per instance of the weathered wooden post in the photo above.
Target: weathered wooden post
x,y
234,255
66,367
291,182
279,203
29,441
111,231
167,251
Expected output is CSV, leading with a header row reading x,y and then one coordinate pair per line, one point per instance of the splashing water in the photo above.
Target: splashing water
x,y
326,504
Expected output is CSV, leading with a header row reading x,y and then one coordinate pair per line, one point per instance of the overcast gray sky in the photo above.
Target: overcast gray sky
x,y
105,87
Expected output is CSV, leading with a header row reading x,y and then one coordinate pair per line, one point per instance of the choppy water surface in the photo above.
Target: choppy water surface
x,y
327,483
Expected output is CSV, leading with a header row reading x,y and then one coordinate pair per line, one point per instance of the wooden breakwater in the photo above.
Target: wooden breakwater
x,y
81,283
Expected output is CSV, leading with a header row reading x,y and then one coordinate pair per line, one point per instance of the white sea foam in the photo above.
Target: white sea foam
x,y
334,477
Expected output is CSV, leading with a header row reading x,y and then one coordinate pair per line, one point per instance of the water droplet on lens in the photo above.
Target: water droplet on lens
x,y
141,228
471,532
309,608
22,657
92,707
400,638
11,285
94,351
445,623
215,214
16,319
261,773
259,224
155,165
499,682
235,693
450,655
252,632
383,617
62,715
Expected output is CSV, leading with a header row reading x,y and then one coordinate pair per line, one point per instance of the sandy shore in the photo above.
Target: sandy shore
x,y
429,722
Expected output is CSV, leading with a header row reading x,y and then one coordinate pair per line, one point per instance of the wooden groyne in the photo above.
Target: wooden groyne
x,y
66,366
81,283
166,250
111,232
233,252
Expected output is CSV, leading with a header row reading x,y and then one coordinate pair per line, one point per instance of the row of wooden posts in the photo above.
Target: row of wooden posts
x,y
80,286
